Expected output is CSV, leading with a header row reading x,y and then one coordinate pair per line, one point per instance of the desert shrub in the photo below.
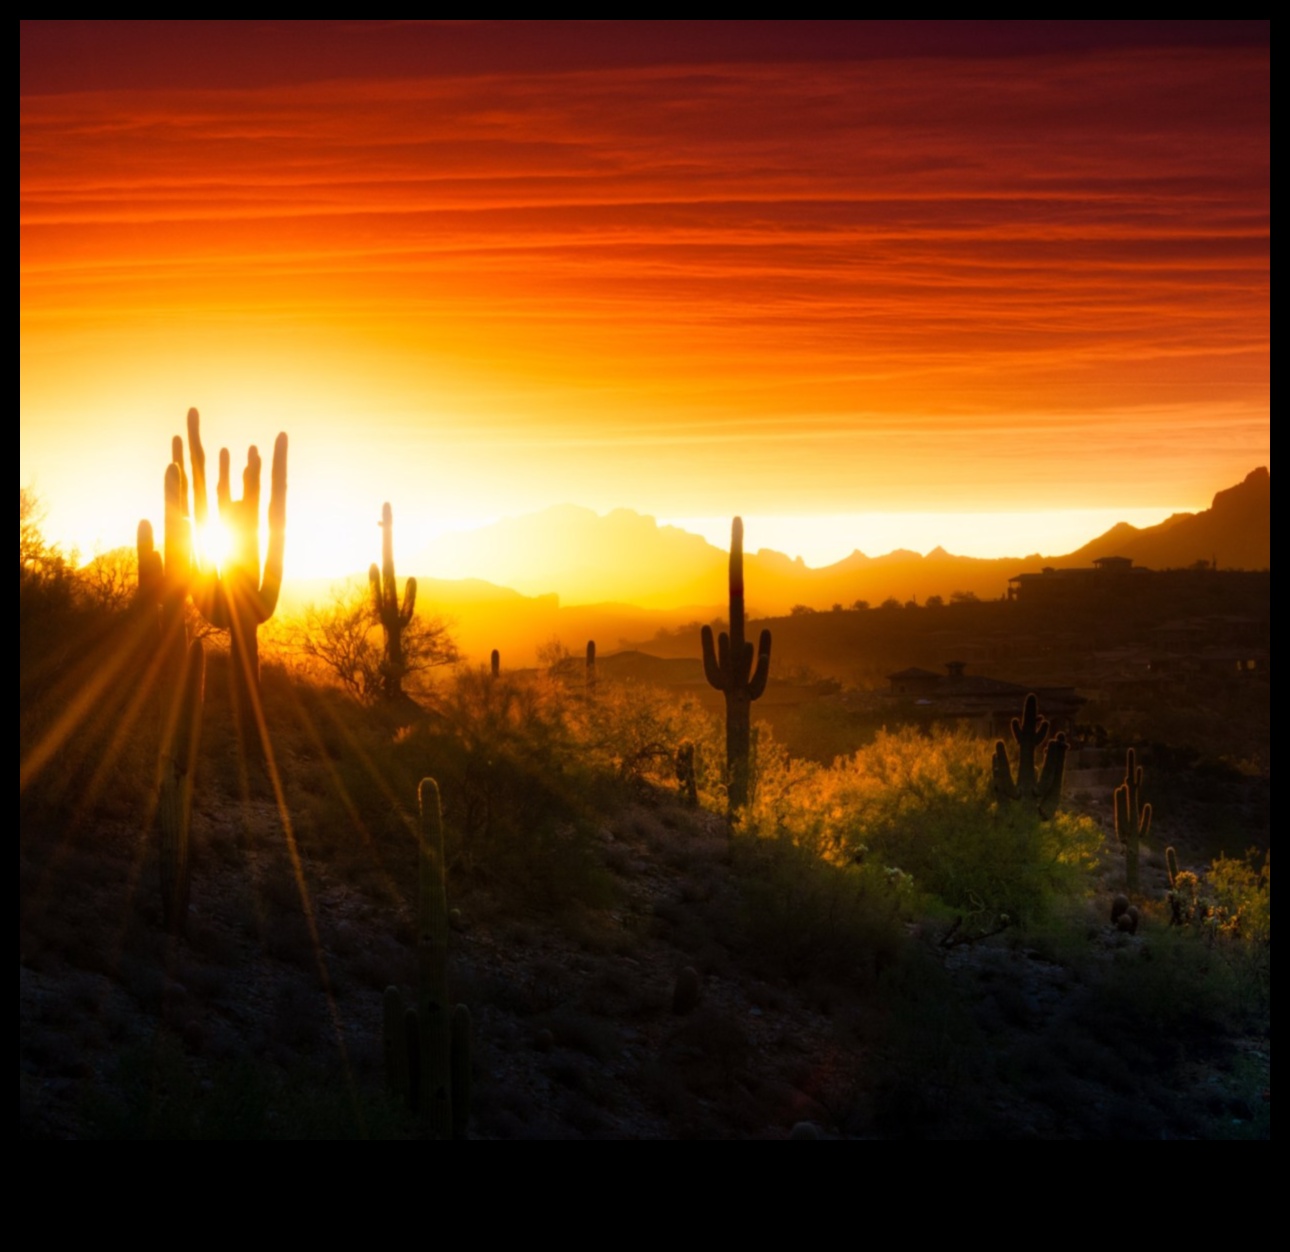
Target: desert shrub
x,y
804,917
923,805
1230,914
634,730
342,638
516,786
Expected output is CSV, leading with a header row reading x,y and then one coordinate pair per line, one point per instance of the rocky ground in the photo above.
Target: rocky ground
x,y
266,1020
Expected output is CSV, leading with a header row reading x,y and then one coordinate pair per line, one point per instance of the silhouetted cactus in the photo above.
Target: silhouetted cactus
x,y
235,597
1048,791
385,605
178,672
436,1075
175,801
729,668
591,669
495,663
1132,817
1030,731
432,968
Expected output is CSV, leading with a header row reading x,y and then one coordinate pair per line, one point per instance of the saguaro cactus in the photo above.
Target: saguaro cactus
x,y
1132,817
175,803
729,668
235,597
385,604
1030,731
179,674
435,1076
591,669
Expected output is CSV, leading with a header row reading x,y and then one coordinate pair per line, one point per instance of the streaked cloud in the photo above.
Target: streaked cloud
x,y
876,264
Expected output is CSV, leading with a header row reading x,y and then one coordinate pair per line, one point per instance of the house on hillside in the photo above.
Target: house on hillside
x,y
1107,575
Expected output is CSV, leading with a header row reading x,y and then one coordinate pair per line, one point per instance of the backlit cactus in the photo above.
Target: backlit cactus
x,y
385,605
428,1048
235,596
178,672
729,667
1132,817
175,799
1030,731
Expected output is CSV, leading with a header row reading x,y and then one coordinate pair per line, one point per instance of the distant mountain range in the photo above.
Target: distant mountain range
x,y
628,558
630,577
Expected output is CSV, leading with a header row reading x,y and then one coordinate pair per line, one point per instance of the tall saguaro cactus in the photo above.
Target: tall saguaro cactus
x,y
1132,817
385,604
180,673
236,597
428,1047
729,668
175,802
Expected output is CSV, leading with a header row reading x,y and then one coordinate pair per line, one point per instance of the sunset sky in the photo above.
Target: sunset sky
x,y
789,270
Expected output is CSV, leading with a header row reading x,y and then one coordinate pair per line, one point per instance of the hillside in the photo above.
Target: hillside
x,y
931,990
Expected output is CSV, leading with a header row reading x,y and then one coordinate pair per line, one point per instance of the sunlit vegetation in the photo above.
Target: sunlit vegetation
x,y
877,943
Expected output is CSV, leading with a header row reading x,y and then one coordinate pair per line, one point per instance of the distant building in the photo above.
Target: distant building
x,y
1107,574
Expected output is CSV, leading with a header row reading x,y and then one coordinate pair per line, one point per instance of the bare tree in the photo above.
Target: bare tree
x,y
344,636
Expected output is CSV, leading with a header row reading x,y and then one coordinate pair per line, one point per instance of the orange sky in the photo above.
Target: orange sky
x,y
695,269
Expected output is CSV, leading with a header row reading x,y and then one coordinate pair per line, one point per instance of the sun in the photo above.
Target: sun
x,y
214,544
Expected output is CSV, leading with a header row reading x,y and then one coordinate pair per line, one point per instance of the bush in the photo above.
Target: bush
x,y
924,805
344,638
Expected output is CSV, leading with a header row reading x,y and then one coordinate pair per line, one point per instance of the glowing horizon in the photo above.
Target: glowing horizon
x,y
785,271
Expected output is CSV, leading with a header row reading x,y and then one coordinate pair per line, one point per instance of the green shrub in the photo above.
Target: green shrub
x,y
923,804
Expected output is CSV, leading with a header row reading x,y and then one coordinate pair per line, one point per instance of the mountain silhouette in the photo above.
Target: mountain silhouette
x,y
1235,532
627,558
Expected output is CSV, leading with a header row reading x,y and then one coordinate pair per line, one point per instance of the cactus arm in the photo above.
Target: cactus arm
x,y
198,455
178,534
409,602
374,577
1049,789
712,668
150,568
271,584
223,488
758,683
1004,787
